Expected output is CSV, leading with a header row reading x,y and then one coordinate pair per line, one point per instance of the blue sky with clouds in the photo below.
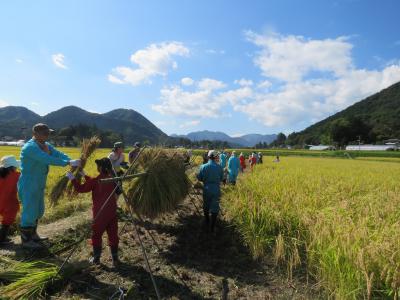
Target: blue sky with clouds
x,y
233,66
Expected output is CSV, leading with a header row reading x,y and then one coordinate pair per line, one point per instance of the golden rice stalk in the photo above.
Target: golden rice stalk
x,y
164,185
29,280
89,146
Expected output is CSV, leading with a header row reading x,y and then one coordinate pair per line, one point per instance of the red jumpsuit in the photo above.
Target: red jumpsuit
x,y
107,220
242,160
9,205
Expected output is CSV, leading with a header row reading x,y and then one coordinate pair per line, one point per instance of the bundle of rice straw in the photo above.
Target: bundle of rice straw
x,y
164,185
29,280
61,187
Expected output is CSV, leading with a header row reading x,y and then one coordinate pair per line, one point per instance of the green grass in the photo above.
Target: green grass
x,y
338,219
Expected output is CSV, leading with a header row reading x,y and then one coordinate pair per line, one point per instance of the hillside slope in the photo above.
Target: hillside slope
x,y
374,119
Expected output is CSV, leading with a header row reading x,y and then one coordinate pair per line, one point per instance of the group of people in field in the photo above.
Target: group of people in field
x,y
26,188
221,167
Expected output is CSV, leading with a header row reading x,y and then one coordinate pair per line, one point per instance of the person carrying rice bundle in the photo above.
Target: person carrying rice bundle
x,y
117,158
105,219
233,168
9,205
211,174
36,157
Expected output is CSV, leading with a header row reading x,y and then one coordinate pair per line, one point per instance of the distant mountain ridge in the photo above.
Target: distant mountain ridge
x,y
127,122
248,140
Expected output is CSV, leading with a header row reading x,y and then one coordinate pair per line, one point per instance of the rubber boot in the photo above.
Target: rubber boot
x,y
213,221
4,229
114,256
36,237
26,239
95,258
206,220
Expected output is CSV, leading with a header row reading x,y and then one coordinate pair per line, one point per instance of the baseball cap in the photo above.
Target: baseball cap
x,y
41,128
118,145
9,161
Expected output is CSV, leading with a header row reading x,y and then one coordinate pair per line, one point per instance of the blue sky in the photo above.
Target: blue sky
x,y
233,66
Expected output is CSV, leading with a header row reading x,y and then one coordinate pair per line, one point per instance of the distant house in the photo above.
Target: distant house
x,y
321,147
388,147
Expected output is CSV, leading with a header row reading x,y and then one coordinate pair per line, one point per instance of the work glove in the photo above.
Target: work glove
x,y
70,176
75,163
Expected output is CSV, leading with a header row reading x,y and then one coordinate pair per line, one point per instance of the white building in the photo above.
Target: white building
x,y
371,147
321,147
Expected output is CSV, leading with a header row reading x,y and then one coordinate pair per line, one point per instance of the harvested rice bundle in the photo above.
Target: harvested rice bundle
x,y
28,280
164,185
88,148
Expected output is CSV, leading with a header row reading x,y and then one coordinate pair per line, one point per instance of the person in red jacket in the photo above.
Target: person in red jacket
x,y
242,160
104,219
9,205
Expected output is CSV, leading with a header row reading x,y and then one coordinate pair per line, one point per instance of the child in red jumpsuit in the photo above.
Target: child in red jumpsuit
x,y
9,205
106,219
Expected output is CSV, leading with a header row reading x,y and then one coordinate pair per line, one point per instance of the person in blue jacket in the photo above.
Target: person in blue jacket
x,y
36,157
222,159
211,174
233,168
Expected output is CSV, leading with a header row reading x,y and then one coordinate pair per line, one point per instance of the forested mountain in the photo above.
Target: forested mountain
x,y
124,123
371,120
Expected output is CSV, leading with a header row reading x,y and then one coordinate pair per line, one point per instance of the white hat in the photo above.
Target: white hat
x,y
212,153
9,161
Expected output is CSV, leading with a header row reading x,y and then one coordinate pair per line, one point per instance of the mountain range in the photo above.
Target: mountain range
x,y
248,140
127,122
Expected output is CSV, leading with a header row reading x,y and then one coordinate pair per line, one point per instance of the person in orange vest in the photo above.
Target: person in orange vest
x,y
9,205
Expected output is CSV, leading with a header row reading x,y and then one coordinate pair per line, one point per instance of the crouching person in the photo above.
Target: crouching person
x,y
103,219
211,174
9,205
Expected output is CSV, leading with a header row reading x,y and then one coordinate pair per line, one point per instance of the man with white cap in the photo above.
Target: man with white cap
x,y
36,157
9,205
211,174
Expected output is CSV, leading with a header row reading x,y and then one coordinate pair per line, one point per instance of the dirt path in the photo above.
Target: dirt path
x,y
209,267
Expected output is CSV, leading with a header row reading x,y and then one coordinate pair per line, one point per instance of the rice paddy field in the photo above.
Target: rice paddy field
x,y
337,219
331,223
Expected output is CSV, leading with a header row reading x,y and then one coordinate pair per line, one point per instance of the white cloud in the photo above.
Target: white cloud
x,y
34,103
210,84
291,58
187,81
3,103
213,51
205,102
155,60
265,84
244,82
18,60
304,102
312,79
58,60
302,80
189,124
